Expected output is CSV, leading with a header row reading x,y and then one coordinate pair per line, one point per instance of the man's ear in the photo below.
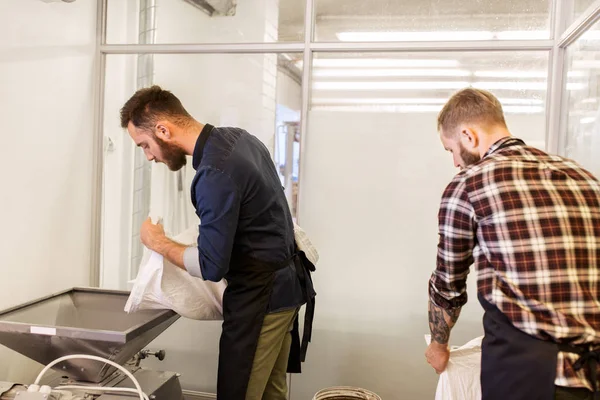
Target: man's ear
x,y
469,137
162,131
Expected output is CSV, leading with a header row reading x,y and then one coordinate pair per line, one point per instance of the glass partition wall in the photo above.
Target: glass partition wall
x,y
344,93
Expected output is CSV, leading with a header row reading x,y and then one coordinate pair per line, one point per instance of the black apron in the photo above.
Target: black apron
x,y
245,304
515,365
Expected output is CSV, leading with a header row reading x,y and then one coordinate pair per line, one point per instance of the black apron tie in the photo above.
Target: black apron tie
x,y
306,281
299,348
589,357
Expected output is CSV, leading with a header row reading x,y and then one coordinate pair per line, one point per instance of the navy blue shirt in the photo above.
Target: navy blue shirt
x,y
243,210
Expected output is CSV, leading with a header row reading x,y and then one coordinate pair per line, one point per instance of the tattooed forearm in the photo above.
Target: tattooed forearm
x,y
440,332
441,321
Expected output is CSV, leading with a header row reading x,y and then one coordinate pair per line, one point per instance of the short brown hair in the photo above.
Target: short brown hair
x,y
470,105
149,104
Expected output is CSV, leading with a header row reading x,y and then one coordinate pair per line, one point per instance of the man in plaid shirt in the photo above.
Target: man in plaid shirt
x,y
530,223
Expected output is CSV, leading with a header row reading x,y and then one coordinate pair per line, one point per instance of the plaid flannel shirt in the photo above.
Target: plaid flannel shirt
x,y
530,223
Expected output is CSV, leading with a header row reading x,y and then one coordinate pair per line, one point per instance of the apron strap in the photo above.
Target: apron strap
x,y
309,315
589,357
303,269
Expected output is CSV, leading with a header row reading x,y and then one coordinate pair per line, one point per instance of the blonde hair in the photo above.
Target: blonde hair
x,y
470,105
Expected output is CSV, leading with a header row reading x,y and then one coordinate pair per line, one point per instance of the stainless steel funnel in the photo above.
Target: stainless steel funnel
x,y
81,321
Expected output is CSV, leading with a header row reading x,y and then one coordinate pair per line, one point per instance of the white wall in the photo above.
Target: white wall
x,y
46,75
369,200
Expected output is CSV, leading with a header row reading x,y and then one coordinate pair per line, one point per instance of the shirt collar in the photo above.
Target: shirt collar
x,y
199,148
502,143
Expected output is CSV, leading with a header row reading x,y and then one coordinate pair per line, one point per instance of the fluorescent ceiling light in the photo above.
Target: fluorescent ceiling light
x,y
407,100
366,100
413,36
511,85
388,85
523,85
587,120
577,74
523,109
321,85
583,113
441,36
576,86
511,74
343,72
591,35
522,35
586,64
388,72
382,108
521,101
416,108
381,63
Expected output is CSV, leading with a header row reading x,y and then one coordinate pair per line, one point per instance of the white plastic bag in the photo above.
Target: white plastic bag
x,y
461,379
304,244
162,285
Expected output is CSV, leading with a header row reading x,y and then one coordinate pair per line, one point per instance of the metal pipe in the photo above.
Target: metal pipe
x,y
254,48
479,45
146,36
145,77
309,29
230,48
97,149
290,130
555,81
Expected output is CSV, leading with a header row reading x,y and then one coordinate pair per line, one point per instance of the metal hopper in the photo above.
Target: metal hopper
x,y
81,321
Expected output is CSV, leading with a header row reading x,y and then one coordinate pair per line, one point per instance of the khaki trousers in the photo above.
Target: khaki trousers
x,y
269,369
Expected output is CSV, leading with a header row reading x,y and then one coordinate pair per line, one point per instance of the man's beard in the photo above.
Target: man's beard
x,y
172,156
467,157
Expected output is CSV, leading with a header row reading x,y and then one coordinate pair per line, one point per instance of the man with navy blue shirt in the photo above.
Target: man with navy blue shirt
x,y
246,237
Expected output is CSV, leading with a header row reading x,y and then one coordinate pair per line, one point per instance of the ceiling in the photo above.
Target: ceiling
x,y
412,15
293,10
